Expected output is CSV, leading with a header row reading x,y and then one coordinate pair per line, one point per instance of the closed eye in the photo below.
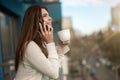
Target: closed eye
x,y
45,15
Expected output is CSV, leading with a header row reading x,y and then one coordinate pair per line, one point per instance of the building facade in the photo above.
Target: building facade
x,y
116,17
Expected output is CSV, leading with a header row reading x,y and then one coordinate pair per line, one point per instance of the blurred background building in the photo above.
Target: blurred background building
x,y
67,24
116,17
95,56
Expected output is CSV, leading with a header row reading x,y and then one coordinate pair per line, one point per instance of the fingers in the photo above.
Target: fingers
x,y
49,28
68,41
64,43
41,29
46,33
45,29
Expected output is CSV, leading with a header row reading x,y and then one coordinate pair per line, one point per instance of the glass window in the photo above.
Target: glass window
x,y
8,33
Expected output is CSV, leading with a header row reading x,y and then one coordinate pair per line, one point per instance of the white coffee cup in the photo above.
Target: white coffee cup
x,y
64,35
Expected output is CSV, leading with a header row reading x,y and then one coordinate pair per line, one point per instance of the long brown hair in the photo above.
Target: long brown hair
x,y
29,32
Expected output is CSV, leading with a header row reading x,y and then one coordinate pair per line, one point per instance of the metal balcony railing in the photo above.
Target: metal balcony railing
x,y
8,71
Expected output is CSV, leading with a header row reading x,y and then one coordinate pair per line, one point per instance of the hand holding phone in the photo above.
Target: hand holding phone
x,y
42,24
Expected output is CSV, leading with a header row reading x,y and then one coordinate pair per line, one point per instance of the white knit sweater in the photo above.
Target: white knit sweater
x,y
36,66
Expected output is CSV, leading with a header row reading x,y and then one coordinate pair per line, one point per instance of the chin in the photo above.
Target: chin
x,y
50,24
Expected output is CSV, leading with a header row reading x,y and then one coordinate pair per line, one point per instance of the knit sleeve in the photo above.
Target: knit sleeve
x,y
61,52
48,66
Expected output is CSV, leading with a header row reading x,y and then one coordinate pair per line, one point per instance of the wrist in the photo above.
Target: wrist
x,y
49,42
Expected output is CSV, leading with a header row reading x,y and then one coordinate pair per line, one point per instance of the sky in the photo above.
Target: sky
x,y
88,15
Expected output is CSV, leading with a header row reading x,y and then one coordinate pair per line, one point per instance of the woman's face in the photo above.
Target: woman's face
x,y
46,17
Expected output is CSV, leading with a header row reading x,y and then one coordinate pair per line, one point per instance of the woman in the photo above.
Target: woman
x,y
37,58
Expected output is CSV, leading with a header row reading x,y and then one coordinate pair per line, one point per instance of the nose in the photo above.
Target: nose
x,y
50,19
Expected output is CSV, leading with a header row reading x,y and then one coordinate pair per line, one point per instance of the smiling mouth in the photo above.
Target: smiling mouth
x,y
50,23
